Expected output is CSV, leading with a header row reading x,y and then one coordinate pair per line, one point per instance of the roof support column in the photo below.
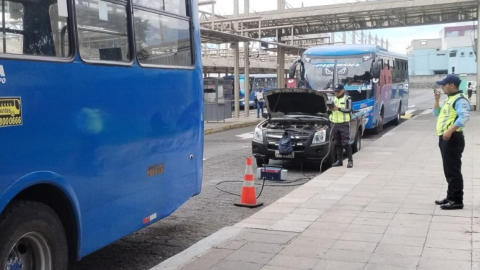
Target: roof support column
x,y
246,73
236,80
477,105
281,67
280,62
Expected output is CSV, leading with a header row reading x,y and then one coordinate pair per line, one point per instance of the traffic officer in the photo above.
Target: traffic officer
x,y
340,116
452,116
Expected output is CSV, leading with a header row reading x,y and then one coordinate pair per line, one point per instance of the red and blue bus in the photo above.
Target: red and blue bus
x,y
376,79
102,123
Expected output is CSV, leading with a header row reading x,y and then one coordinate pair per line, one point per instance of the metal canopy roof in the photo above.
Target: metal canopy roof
x,y
350,16
213,36
221,65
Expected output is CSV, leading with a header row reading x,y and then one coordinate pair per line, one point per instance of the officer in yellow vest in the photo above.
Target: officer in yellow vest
x,y
452,116
340,116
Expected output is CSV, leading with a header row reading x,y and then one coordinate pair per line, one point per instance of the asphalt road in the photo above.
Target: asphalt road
x,y
224,160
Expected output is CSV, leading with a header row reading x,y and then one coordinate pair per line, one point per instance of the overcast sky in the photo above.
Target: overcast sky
x,y
399,38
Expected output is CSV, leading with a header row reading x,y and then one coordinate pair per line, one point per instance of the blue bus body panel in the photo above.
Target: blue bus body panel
x,y
94,131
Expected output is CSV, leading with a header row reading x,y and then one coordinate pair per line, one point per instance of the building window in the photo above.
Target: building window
x,y
423,42
453,53
453,70
471,54
462,54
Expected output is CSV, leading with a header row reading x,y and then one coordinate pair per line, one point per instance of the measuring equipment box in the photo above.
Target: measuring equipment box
x,y
272,173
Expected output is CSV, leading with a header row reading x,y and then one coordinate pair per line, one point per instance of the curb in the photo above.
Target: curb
x,y
198,249
232,126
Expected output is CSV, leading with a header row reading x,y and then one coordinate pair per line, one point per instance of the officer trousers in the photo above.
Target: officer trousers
x,y
341,135
451,151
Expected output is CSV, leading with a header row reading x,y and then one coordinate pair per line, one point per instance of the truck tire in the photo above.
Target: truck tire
x,y
262,161
32,237
330,159
357,144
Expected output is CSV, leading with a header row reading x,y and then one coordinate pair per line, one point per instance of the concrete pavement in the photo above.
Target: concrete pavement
x,y
378,215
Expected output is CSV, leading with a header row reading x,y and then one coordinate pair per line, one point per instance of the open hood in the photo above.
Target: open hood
x,y
295,101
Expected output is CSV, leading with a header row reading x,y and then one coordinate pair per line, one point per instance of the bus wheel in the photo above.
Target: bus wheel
x,y
379,127
32,238
396,122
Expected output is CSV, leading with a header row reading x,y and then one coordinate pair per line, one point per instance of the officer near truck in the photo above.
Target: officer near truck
x,y
340,117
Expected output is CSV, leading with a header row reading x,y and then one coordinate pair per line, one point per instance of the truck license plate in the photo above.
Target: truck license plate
x,y
278,155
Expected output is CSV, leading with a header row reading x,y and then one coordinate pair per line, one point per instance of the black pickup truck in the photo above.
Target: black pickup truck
x,y
303,114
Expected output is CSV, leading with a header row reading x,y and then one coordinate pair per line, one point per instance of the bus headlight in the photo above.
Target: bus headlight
x,y
258,135
320,137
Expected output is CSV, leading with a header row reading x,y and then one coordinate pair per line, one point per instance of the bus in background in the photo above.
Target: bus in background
x,y
377,80
102,124
256,81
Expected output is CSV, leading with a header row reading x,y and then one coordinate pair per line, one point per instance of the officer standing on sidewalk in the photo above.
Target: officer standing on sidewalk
x,y
340,116
452,116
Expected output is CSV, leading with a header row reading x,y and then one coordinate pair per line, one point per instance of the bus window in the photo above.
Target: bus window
x,y
31,28
175,6
60,31
102,31
12,35
171,6
162,40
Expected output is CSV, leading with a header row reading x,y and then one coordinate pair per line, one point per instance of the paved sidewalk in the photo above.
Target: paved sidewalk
x,y
378,215
232,123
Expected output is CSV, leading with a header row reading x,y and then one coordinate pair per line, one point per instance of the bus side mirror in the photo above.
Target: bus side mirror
x,y
293,67
376,68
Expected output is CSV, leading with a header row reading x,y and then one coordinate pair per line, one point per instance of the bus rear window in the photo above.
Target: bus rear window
x,y
34,28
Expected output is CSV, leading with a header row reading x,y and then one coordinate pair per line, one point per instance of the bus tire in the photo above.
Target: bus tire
x,y
357,144
379,127
32,234
397,119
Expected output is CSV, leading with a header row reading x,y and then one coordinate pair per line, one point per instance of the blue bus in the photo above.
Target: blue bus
x,y
256,81
101,123
377,80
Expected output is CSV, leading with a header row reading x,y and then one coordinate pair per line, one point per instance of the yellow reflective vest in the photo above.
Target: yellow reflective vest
x,y
448,115
339,117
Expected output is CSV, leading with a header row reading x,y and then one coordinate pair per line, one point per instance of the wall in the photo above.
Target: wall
x,y
427,61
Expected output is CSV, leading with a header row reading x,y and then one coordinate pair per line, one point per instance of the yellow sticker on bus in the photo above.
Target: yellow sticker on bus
x,y
10,111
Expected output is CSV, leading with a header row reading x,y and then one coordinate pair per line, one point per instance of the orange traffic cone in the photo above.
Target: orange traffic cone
x,y
249,197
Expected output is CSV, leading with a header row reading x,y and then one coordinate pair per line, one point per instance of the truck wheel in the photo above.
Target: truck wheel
x,y
32,238
330,159
357,144
262,161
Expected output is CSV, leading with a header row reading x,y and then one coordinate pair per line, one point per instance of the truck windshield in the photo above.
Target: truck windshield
x,y
352,70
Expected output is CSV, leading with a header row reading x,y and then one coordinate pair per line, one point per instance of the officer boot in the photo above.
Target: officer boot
x,y
339,161
348,149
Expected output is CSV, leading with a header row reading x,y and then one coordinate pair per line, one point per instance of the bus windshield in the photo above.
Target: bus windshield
x,y
319,71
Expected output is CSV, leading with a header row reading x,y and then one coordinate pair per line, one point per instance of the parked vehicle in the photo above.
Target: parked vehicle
x,y
303,114
376,79
101,116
